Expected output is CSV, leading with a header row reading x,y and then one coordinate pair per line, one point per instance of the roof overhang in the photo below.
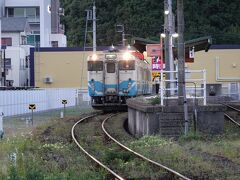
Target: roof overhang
x,y
199,44
140,43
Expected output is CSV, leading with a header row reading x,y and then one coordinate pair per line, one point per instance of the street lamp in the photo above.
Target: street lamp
x,y
166,12
163,35
175,35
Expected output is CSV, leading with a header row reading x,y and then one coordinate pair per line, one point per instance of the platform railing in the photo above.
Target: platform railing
x,y
173,89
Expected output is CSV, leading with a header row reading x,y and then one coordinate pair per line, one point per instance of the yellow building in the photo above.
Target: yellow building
x,y
222,63
67,67
59,68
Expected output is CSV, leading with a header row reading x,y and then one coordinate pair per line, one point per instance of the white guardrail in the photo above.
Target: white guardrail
x,y
198,92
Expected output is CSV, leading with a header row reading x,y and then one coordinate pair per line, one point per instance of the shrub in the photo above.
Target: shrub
x,y
155,100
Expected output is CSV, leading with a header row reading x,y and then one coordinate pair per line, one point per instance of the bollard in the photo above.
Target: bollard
x,y
61,115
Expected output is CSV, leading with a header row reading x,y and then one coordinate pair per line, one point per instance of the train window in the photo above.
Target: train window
x,y
110,67
127,65
95,65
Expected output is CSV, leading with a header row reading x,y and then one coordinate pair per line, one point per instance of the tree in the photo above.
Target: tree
x,y
144,18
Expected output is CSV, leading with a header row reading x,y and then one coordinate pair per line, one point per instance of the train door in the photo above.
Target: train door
x,y
111,79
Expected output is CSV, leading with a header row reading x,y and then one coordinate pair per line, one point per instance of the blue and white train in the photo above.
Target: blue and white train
x,y
113,77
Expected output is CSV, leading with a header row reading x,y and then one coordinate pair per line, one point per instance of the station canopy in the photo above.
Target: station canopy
x,y
199,44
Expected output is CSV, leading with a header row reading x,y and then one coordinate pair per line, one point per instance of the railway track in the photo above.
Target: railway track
x,y
232,119
97,156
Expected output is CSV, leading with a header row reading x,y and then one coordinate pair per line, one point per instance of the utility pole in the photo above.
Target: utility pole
x,y
123,38
91,16
94,28
169,30
1,83
182,100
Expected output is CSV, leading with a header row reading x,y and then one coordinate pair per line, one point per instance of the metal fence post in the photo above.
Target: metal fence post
x,y
162,96
204,86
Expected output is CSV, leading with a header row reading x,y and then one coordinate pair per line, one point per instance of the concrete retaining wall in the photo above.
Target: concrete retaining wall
x,y
146,119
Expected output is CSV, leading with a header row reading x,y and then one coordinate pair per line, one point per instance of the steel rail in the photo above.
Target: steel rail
x,y
88,154
231,107
235,122
141,156
228,116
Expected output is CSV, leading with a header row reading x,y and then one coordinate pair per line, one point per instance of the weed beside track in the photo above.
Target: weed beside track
x,y
48,152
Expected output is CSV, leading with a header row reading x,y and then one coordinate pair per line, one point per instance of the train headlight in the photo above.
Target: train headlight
x,y
126,56
129,85
94,57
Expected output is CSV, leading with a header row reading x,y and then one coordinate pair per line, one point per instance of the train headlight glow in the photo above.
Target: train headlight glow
x,y
126,56
94,57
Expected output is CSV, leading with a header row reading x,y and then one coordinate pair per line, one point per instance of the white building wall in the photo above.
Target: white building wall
x,y
22,3
23,75
15,38
61,38
2,10
45,23
18,72
45,18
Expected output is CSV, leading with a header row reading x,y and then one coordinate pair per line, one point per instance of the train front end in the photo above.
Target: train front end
x,y
103,84
95,78
127,76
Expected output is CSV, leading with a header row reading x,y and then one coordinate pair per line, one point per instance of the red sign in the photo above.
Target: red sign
x,y
154,50
157,64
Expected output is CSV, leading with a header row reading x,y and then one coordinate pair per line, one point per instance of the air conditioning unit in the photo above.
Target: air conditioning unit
x,y
48,80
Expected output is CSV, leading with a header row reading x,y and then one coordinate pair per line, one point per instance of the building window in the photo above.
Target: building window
x,y
33,39
10,12
19,12
30,12
37,12
54,43
9,83
8,63
7,41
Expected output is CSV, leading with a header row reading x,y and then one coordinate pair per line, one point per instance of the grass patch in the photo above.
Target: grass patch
x,y
154,101
196,156
49,153
44,151
191,136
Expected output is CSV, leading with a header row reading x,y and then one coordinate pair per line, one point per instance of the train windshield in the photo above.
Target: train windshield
x,y
110,67
127,65
95,65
